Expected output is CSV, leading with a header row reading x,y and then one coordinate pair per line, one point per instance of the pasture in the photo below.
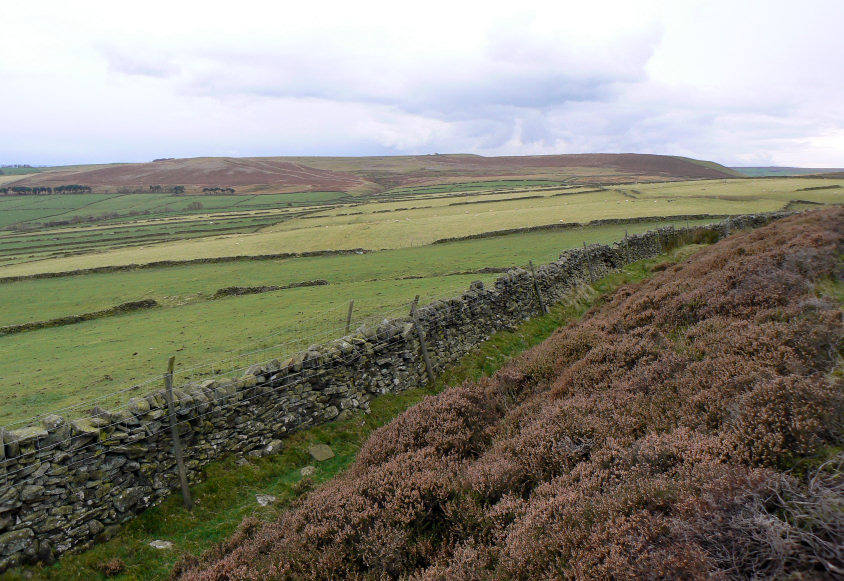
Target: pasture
x,y
264,224
56,367
51,368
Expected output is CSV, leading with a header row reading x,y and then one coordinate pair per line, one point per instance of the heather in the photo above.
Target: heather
x,y
688,427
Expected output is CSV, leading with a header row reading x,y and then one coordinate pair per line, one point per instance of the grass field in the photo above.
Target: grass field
x,y
782,171
81,361
55,367
250,225
19,171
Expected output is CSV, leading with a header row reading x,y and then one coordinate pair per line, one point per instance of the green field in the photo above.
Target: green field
x,y
474,186
265,224
756,172
19,171
48,369
85,360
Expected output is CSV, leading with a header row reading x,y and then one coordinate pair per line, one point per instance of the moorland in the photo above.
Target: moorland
x,y
690,427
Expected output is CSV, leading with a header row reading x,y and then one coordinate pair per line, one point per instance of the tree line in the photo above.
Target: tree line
x,y
218,190
167,189
44,190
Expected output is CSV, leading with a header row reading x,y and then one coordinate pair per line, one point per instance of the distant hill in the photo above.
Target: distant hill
x,y
373,174
772,171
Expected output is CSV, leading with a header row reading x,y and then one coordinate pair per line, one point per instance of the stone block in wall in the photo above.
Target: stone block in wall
x,y
58,430
16,541
138,406
24,440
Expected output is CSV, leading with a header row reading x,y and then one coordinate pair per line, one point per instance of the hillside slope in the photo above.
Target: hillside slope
x,y
370,174
647,441
202,172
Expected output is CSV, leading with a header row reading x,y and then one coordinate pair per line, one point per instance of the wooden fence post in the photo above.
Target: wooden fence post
x,y
3,453
174,434
349,316
422,346
542,309
589,263
626,248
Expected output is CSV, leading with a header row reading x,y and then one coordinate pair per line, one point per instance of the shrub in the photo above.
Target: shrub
x,y
646,441
111,567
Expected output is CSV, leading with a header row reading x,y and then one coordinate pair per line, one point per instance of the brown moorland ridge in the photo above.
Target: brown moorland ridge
x,y
372,174
650,440
202,172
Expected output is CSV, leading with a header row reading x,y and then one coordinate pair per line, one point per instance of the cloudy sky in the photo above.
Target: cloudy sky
x,y
741,82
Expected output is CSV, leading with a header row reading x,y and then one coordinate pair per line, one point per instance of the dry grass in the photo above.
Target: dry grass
x,y
375,229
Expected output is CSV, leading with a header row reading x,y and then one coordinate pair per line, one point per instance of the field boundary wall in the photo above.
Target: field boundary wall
x,y
67,484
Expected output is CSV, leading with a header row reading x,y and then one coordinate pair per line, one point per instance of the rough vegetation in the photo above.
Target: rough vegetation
x,y
251,290
670,434
362,174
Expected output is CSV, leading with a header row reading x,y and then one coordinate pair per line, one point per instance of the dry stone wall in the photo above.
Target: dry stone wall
x,y
66,484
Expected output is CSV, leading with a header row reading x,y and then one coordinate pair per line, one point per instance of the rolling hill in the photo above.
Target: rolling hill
x,y
369,174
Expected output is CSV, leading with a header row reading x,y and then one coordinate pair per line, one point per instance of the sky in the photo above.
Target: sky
x,y
740,82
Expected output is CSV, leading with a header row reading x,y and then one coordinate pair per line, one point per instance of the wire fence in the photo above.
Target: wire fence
x,y
85,453
318,328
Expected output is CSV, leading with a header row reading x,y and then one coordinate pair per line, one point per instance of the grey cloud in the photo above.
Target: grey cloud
x,y
138,62
512,71
599,81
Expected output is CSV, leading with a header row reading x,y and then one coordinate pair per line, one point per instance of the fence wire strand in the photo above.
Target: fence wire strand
x,y
437,313
260,390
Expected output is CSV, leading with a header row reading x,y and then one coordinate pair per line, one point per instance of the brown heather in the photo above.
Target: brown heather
x,y
648,441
